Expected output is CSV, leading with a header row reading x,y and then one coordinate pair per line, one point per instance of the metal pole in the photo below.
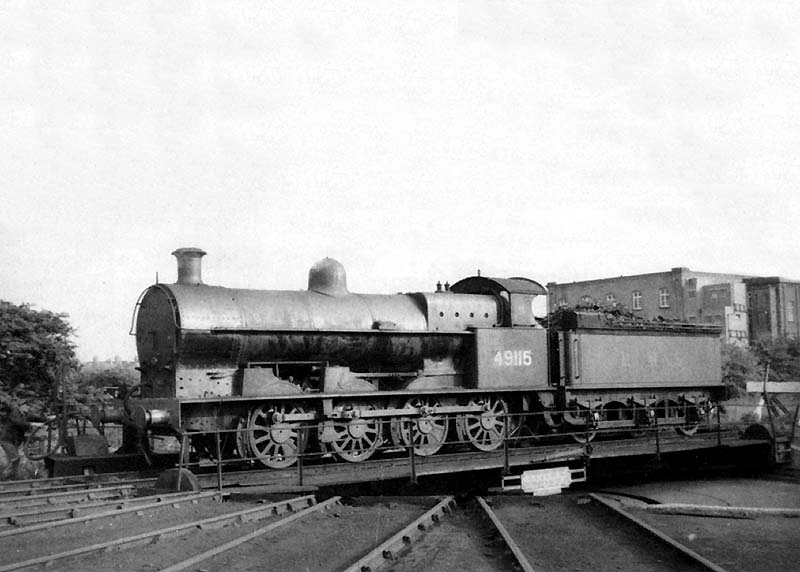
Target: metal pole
x,y
301,436
219,460
505,445
184,449
411,454
768,405
658,437
587,424
719,427
62,441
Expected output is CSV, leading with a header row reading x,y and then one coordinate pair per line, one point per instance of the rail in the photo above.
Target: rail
x,y
391,548
666,539
256,513
509,541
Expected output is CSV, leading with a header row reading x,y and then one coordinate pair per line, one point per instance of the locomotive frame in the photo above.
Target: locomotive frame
x,y
468,364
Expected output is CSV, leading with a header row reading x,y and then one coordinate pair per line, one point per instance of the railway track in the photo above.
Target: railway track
x,y
26,502
34,487
15,522
604,536
574,531
541,534
357,536
96,544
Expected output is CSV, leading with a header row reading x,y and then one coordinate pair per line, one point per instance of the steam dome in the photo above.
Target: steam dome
x,y
328,277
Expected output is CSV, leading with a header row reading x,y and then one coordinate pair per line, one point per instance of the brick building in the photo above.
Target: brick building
x,y
772,305
680,294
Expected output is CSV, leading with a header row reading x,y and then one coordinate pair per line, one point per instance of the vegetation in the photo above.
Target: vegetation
x,y
37,355
740,365
783,357
100,379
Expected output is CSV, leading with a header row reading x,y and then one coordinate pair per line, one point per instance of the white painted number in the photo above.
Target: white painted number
x,y
510,358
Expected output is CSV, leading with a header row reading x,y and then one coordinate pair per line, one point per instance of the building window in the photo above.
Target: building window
x,y
663,298
586,299
737,334
610,297
637,300
562,302
790,311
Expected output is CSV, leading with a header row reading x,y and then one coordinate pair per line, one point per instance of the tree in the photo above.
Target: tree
x,y
35,352
98,381
783,357
739,365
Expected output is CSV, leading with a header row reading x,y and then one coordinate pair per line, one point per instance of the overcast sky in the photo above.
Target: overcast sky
x,y
414,142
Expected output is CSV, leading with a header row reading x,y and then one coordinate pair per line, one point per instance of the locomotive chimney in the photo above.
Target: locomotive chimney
x,y
189,265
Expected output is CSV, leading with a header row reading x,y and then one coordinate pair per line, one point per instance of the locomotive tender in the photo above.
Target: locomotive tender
x,y
469,363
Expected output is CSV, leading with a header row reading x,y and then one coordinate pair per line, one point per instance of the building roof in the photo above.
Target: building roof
x,y
763,280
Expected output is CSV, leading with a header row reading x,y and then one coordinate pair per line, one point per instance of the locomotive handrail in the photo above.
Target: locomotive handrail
x,y
271,330
135,316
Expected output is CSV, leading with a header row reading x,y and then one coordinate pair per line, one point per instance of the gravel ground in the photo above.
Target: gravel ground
x,y
566,532
563,532
67,537
569,533
721,491
326,540
763,543
460,543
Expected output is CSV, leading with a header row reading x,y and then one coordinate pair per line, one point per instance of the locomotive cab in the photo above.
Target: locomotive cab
x,y
517,296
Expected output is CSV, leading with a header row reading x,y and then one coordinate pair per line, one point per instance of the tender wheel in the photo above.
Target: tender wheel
x,y
427,433
639,415
619,411
486,430
357,439
578,435
672,410
275,443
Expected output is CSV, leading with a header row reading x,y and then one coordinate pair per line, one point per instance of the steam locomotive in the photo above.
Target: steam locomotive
x,y
350,372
